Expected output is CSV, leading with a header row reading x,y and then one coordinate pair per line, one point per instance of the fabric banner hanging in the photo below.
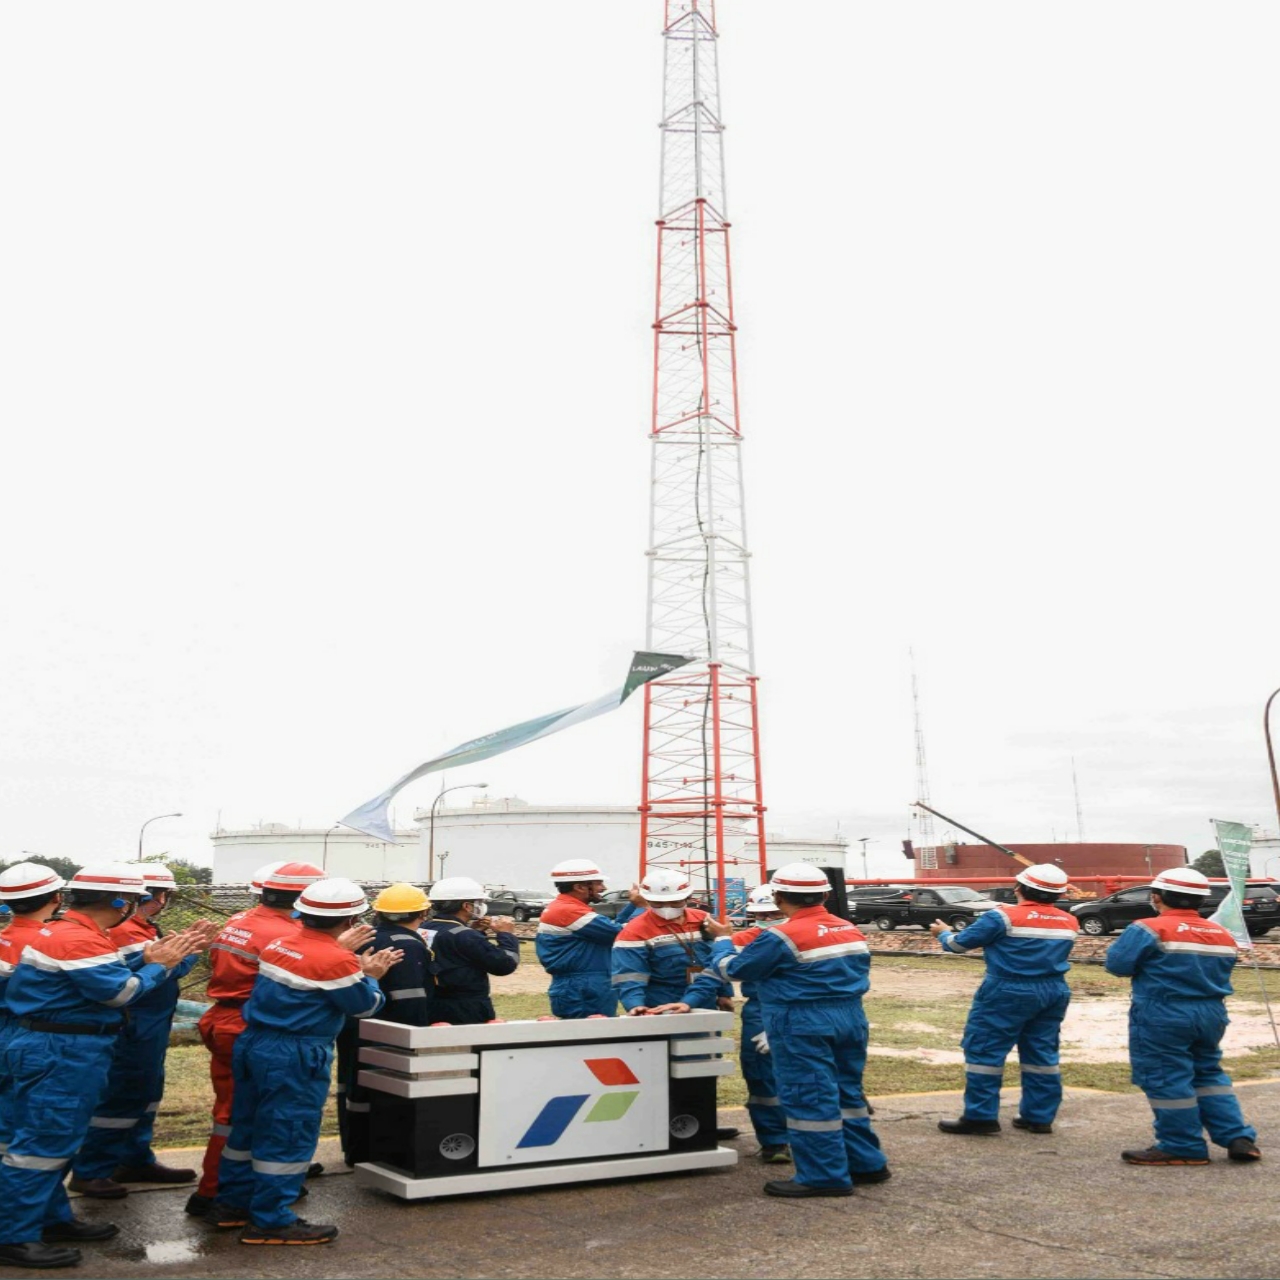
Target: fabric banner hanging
x,y
1234,843
373,817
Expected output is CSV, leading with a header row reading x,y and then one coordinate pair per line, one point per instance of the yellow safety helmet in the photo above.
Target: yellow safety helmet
x,y
396,898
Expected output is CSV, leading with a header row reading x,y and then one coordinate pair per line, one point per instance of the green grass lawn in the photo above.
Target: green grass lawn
x,y
184,1118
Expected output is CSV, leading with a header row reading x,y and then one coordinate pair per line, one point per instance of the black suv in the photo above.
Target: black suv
x,y
1106,915
520,905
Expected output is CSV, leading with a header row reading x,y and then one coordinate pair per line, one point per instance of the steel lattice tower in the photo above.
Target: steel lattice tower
x,y
701,783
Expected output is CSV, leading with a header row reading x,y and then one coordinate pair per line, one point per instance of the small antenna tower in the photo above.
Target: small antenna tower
x,y
925,837
1075,784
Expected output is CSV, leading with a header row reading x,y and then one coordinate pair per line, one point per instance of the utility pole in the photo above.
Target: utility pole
x,y
925,841
701,788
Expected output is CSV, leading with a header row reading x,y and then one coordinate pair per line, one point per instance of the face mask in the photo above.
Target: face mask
x,y
479,910
669,913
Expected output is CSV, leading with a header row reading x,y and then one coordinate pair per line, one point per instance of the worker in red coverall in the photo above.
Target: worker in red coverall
x,y
233,965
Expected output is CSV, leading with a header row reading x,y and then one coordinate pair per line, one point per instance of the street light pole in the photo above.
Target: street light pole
x,y
148,822
444,857
431,825
1271,755
324,853
862,840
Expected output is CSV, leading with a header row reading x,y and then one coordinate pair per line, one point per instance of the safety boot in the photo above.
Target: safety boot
x,y
97,1188
801,1191
38,1257
1032,1126
1243,1149
80,1230
298,1232
779,1154
222,1216
867,1179
1157,1156
980,1127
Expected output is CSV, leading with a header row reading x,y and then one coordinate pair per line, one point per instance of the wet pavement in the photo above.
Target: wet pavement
x,y
1016,1205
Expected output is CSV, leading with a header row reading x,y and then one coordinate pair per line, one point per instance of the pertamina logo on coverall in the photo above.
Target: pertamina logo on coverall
x,y
559,1113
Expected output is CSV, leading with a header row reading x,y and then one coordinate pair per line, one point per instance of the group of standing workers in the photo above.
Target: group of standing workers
x,y
88,986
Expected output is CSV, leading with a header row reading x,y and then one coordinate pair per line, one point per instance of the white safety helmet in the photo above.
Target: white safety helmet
x,y
336,898
28,880
156,875
576,871
1182,880
760,901
458,889
1044,876
109,877
261,875
665,885
800,877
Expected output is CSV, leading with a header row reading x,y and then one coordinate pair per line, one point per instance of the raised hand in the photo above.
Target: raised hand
x,y
939,927
716,929
357,936
377,964
166,951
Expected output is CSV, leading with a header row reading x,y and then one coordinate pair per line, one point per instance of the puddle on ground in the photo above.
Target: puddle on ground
x,y
168,1252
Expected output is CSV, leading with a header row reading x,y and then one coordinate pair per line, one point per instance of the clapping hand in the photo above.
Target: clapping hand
x,y
198,936
168,951
357,936
377,964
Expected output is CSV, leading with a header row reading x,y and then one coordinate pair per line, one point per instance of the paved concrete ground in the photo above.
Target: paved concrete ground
x,y
1015,1205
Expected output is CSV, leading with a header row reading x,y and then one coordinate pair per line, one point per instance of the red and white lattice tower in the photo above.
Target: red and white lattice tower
x,y
702,794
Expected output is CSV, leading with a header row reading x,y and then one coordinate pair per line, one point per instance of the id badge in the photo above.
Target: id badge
x,y
691,972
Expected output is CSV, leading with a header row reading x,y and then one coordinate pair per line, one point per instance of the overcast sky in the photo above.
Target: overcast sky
x,y
326,334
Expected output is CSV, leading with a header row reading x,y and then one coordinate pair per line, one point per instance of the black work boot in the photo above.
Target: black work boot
x,y
38,1257
79,1230
1031,1126
982,1127
1243,1149
298,1232
799,1191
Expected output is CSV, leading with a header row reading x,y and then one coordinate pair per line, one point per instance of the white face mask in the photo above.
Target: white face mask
x,y
669,913
479,910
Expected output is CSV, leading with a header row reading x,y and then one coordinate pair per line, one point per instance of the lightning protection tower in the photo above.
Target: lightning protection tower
x,y
701,783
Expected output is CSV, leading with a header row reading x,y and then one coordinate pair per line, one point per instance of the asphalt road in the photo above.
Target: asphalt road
x,y
1016,1205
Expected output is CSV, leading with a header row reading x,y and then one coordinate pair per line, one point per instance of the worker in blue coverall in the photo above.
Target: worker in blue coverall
x,y
308,984
118,1148
28,899
810,974
68,995
754,1056
400,910
575,943
1181,969
464,956
1022,1001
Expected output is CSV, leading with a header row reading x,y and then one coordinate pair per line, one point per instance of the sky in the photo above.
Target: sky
x,y
327,345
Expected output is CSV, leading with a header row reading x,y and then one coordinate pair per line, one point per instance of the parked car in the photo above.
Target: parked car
x,y
613,902
519,904
1105,915
958,905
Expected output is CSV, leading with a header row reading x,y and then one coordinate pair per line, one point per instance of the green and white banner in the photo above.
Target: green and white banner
x,y
1234,842
373,818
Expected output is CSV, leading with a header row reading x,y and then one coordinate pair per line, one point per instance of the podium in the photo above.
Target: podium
x,y
458,1110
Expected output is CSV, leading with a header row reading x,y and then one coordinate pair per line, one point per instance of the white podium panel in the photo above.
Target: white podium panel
x,y
572,1102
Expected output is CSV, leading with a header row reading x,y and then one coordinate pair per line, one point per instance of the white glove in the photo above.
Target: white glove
x,y
761,1042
